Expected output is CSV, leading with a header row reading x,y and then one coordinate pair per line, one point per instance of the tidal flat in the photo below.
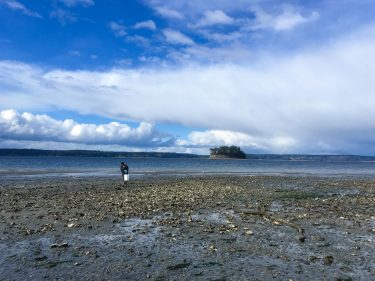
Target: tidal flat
x,y
188,228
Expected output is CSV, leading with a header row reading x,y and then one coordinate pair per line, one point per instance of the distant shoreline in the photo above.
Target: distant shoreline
x,y
96,153
224,157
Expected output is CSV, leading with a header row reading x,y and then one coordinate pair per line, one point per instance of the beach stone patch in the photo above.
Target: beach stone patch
x,y
189,229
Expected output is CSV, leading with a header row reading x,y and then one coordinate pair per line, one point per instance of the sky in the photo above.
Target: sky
x,y
269,76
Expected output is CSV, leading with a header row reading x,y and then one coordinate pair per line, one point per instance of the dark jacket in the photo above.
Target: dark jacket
x,y
124,168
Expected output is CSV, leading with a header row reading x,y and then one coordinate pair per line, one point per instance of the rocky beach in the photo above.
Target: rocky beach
x,y
188,228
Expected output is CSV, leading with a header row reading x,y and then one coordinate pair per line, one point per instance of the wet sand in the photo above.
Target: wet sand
x,y
193,228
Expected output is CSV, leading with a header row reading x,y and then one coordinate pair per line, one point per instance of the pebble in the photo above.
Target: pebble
x,y
302,239
40,258
62,245
327,260
317,238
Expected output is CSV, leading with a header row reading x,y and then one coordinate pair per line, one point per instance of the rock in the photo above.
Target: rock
x,y
40,258
249,232
313,258
302,238
63,245
70,225
327,260
317,238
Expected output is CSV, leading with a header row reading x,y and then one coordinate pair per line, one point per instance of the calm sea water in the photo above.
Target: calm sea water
x,y
16,167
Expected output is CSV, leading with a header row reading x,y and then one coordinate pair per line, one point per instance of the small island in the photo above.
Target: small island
x,y
227,152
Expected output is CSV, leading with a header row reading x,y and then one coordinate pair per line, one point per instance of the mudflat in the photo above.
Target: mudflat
x,y
190,228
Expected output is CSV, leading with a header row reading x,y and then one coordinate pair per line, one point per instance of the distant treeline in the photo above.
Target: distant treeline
x,y
297,157
94,153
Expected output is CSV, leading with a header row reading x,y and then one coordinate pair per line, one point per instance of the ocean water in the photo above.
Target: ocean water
x,y
45,166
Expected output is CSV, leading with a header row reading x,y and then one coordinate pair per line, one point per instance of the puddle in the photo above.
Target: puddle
x,y
144,231
106,238
216,218
138,231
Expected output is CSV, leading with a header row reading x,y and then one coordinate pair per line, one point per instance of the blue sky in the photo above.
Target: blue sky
x,y
152,75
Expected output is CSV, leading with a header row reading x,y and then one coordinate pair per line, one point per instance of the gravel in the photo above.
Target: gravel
x,y
189,228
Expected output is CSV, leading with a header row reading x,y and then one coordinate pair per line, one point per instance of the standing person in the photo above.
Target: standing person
x,y
125,173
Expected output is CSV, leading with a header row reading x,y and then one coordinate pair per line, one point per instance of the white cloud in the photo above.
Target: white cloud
x,y
64,16
30,127
230,53
215,17
140,40
17,6
176,37
118,29
222,37
169,13
247,142
288,19
311,101
73,3
212,138
148,24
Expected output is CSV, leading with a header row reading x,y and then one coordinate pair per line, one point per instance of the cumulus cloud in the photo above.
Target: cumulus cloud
x,y
176,37
169,13
288,19
118,29
30,127
215,17
17,6
148,24
139,40
315,100
63,16
248,142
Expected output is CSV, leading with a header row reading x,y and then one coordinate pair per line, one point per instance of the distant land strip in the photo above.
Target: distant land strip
x,y
96,153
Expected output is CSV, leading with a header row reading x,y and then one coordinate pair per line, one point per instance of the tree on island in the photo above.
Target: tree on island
x,y
227,152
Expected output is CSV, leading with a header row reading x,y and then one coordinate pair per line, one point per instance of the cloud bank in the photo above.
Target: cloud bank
x,y
288,19
30,127
313,101
42,131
